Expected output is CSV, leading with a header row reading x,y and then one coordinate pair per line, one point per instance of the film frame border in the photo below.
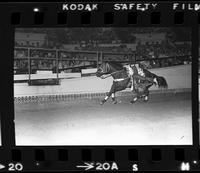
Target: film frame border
x,y
147,157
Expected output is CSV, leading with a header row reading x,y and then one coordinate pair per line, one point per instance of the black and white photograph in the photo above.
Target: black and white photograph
x,y
103,86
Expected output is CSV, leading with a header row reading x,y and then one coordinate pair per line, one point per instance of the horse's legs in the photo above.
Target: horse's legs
x,y
108,94
104,100
141,92
135,96
113,98
145,96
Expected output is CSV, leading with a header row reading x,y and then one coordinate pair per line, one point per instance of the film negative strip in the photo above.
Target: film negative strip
x,y
99,86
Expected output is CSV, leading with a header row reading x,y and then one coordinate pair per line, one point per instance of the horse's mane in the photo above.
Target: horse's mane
x,y
115,64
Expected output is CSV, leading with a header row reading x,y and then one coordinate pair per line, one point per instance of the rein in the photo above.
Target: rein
x,y
108,75
116,72
117,80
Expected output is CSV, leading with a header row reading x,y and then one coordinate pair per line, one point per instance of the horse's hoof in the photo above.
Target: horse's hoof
x,y
134,100
146,99
102,102
115,102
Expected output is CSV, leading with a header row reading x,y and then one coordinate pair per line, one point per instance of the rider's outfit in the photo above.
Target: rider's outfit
x,y
136,74
130,73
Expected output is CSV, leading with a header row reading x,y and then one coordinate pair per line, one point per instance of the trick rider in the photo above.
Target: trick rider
x,y
136,73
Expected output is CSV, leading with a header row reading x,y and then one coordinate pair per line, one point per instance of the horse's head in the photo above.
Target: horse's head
x,y
103,69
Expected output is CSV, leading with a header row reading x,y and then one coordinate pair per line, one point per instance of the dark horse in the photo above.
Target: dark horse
x,y
122,81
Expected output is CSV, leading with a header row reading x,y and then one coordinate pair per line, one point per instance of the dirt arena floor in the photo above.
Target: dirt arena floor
x,y
166,119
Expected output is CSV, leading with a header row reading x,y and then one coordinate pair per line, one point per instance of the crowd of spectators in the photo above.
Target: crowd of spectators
x,y
180,53
46,59
72,60
162,50
148,53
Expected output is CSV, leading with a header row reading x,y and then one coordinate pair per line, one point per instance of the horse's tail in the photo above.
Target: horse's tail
x,y
162,83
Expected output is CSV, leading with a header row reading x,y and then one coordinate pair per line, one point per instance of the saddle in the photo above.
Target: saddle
x,y
140,80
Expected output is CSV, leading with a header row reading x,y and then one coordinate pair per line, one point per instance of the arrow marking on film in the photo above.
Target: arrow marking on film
x,y
2,166
87,166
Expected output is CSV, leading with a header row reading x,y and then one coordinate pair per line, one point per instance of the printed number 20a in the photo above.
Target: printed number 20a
x,y
106,166
15,167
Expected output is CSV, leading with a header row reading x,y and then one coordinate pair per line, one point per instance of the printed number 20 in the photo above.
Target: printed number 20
x,y
15,167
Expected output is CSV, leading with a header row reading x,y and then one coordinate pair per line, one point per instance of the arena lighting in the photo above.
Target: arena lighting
x,y
36,9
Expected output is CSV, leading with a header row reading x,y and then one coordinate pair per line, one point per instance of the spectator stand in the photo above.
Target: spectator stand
x,y
33,60
54,60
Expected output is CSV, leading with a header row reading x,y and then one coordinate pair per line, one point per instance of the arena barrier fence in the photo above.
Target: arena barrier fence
x,y
96,57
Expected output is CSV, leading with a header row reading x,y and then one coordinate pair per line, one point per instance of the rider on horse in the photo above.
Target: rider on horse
x,y
122,75
137,75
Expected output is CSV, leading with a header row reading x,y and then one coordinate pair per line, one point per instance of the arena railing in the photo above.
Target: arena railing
x,y
98,57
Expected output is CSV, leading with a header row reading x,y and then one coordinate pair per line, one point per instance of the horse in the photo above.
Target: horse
x,y
121,81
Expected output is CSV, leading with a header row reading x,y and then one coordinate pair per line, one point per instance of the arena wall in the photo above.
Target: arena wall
x,y
178,77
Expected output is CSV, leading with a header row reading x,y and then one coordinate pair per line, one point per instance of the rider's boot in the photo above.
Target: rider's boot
x,y
132,84
132,88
